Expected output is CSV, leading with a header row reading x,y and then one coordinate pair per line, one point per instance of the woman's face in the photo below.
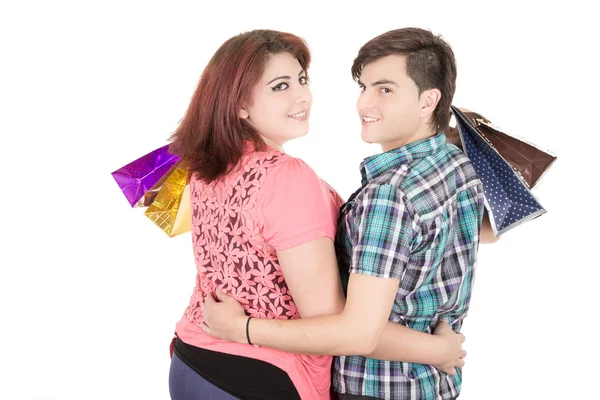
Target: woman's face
x,y
280,101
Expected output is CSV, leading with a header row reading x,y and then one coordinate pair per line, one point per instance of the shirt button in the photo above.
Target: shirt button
x,y
404,167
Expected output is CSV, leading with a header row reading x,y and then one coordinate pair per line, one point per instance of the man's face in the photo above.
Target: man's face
x,y
389,106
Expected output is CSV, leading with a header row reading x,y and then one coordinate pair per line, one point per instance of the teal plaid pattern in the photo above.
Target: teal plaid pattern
x,y
416,218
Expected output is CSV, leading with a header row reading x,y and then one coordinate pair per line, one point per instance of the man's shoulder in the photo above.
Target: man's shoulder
x,y
450,164
435,180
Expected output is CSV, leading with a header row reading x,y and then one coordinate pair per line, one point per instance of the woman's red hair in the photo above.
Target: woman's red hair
x,y
210,138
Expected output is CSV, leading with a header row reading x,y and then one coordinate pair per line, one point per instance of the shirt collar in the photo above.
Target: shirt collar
x,y
377,164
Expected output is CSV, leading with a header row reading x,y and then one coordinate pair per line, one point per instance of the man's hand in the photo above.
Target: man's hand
x,y
452,354
224,319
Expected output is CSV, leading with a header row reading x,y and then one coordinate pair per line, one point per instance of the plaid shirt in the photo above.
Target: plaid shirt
x,y
416,218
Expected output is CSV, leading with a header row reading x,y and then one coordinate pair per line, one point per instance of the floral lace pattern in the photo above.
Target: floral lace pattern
x,y
230,252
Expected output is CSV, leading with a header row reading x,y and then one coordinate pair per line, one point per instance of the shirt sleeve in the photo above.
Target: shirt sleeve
x,y
386,230
294,206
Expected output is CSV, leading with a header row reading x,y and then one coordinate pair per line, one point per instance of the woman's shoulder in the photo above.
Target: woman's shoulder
x,y
287,167
293,171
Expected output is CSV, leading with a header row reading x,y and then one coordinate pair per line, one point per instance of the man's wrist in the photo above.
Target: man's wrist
x,y
437,356
244,330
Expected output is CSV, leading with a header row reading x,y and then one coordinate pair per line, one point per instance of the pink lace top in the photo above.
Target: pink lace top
x,y
270,202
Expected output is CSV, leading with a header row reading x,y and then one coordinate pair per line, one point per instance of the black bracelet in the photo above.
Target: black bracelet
x,y
247,333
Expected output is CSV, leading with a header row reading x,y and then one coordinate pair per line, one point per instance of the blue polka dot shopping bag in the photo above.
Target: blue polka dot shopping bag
x,y
508,168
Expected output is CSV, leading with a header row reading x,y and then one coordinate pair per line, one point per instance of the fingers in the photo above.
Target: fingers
x,y
207,302
221,296
226,298
204,318
205,328
459,363
442,328
442,322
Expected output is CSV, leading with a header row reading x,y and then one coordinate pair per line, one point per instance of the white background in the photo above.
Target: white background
x,y
90,290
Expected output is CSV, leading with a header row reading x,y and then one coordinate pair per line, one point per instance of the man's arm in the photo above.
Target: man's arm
x,y
362,328
443,349
341,334
382,249
487,233
355,330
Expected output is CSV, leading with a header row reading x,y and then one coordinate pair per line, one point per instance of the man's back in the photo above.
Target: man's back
x,y
417,219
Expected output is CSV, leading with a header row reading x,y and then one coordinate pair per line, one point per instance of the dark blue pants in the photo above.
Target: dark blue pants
x,y
186,384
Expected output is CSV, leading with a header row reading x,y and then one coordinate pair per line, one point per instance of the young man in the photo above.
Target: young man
x,y
408,238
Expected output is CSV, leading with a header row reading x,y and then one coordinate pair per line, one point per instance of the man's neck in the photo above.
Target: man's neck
x,y
426,134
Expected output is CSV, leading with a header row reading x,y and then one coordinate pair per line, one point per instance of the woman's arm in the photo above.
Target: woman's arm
x,y
311,274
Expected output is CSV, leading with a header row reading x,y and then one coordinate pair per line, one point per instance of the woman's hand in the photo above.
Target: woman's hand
x,y
224,319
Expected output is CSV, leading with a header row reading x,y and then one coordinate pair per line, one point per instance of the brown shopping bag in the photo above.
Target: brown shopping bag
x,y
527,159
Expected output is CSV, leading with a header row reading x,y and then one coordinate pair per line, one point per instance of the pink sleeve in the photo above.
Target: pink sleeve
x,y
295,206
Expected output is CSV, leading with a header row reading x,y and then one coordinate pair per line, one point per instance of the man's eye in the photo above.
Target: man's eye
x,y
386,90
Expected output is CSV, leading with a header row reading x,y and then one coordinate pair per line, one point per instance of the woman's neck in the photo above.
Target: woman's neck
x,y
273,144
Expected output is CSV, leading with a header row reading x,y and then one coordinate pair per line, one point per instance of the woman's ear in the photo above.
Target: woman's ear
x,y
243,113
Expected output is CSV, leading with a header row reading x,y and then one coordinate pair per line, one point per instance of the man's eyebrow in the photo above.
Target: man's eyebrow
x,y
384,82
379,82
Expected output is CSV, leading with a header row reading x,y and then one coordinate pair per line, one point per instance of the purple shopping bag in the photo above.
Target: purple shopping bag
x,y
137,177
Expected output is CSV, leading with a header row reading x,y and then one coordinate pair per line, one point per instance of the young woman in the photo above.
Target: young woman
x,y
263,226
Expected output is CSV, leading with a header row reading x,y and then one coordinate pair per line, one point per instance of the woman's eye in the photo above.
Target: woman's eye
x,y
279,87
303,80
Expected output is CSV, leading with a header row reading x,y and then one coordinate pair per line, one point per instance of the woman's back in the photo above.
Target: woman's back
x,y
229,245
269,202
